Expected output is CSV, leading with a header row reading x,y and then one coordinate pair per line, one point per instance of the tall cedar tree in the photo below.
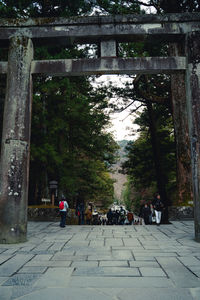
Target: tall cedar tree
x,y
68,139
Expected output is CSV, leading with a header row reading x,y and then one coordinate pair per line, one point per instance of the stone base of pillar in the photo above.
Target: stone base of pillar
x,y
13,235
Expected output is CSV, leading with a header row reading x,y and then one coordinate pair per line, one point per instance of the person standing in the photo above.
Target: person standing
x,y
146,213
80,213
110,217
88,215
63,206
152,217
158,207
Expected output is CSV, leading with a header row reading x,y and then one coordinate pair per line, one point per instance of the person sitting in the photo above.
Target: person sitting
x,y
130,217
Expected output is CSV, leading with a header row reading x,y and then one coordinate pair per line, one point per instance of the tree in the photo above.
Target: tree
x,y
140,165
175,99
68,139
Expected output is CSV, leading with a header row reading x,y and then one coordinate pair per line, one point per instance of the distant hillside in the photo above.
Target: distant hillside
x,y
121,152
120,178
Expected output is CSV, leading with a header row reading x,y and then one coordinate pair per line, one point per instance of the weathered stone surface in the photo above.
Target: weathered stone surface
x,y
108,48
122,254
107,276
129,18
14,168
114,263
86,264
158,294
178,273
195,270
144,263
193,109
190,261
48,263
4,258
65,257
152,272
21,279
32,270
120,282
92,29
109,65
107,272
55,277
67,293
195,293
12,265
6,293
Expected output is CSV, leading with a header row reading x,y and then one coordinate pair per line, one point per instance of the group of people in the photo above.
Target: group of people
x,y
89,216
152,213
119,217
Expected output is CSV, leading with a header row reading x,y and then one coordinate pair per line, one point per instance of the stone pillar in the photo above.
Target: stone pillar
x,y
193,107
14,168
108,48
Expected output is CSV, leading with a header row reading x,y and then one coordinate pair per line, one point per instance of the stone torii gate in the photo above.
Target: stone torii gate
x,y
107,32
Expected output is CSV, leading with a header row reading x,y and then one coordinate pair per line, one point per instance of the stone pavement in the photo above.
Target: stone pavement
x,y
102,262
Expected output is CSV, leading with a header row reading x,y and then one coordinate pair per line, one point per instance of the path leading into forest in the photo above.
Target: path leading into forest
x,y
102,262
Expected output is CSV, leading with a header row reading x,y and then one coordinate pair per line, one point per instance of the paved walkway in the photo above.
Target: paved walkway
x,y
102,262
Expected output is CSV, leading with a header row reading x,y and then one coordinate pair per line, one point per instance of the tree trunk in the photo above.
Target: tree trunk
x,y
161,180
179,112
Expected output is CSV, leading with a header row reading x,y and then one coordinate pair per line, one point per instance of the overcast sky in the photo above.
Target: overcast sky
x,y
122,122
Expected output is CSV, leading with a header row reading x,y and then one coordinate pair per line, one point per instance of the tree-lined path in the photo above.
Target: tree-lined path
x,y
102,262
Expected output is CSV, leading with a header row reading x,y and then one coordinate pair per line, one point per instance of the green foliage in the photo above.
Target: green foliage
x,y
69,142
140,164
41,8
175,6
115,7
126,197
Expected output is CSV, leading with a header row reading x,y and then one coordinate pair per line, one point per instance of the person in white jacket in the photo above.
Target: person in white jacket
x,y
63,206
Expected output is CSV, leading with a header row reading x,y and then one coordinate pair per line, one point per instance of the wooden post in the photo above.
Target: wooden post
x,y
53,199
193,108
14,169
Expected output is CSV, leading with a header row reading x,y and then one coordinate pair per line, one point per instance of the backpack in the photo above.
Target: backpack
x,y
61,205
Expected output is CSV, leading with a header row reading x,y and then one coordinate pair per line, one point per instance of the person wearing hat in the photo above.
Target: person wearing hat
x,y
63,206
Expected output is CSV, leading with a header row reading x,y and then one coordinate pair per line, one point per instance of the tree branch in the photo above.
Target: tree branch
x,y
134,110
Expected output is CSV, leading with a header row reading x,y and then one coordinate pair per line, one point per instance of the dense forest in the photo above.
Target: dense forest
x,y
69,141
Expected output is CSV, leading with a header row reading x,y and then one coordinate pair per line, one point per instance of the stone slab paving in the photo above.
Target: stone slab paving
x,y
102,262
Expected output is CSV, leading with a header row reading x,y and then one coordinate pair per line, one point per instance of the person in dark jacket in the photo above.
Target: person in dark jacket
x,y
110,217
146,213
158,207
